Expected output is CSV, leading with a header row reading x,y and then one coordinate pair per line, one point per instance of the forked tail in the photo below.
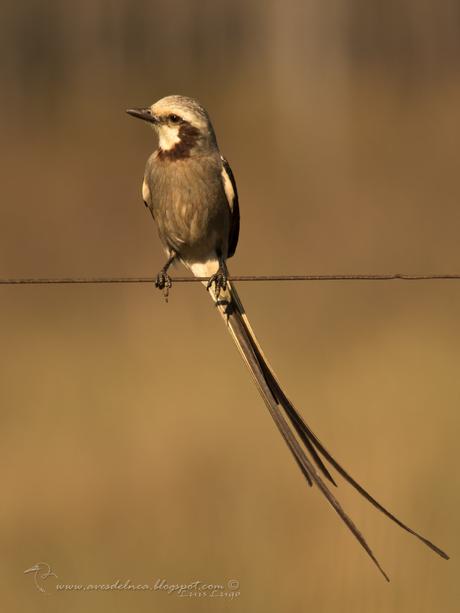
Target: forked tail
x,y
281,407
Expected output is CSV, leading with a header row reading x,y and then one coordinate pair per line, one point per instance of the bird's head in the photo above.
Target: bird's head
x,y
182,124
35,568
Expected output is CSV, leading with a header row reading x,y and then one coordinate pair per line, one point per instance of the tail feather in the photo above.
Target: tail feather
x,y
270,377
275,399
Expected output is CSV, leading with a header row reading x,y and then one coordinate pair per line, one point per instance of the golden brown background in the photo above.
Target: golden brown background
x,y
133,443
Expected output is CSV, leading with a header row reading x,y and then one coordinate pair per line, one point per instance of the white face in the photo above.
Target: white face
x,y
175,113
168,136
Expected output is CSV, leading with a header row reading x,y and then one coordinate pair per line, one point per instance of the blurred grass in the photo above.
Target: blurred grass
x,y
133,442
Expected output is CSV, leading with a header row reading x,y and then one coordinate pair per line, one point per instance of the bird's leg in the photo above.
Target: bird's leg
x,y
163,280
219,279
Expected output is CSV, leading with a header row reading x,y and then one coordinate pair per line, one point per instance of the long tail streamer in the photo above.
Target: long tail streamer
x,y
290,423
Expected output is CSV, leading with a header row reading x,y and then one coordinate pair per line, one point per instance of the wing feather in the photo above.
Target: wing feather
x,y
232,197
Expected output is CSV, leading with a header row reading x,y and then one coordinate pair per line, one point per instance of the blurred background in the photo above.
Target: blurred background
x,y
133,443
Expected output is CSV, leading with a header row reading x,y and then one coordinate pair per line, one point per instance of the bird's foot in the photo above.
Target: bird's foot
x,y
163,282
219,280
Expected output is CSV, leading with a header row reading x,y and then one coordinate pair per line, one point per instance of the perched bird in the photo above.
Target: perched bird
x,y
191,193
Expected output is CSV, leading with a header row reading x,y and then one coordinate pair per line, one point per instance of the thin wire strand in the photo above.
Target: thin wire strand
x,y
351,277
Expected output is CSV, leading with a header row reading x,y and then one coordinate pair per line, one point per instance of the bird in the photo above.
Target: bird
x,y
191,193
41,571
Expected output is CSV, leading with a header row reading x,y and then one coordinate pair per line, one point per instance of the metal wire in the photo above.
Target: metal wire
x,y
351,277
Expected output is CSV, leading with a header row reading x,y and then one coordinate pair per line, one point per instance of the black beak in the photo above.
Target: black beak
x,y
145,114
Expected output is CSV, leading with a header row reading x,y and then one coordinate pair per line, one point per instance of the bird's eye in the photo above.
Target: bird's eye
x,y
174,118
